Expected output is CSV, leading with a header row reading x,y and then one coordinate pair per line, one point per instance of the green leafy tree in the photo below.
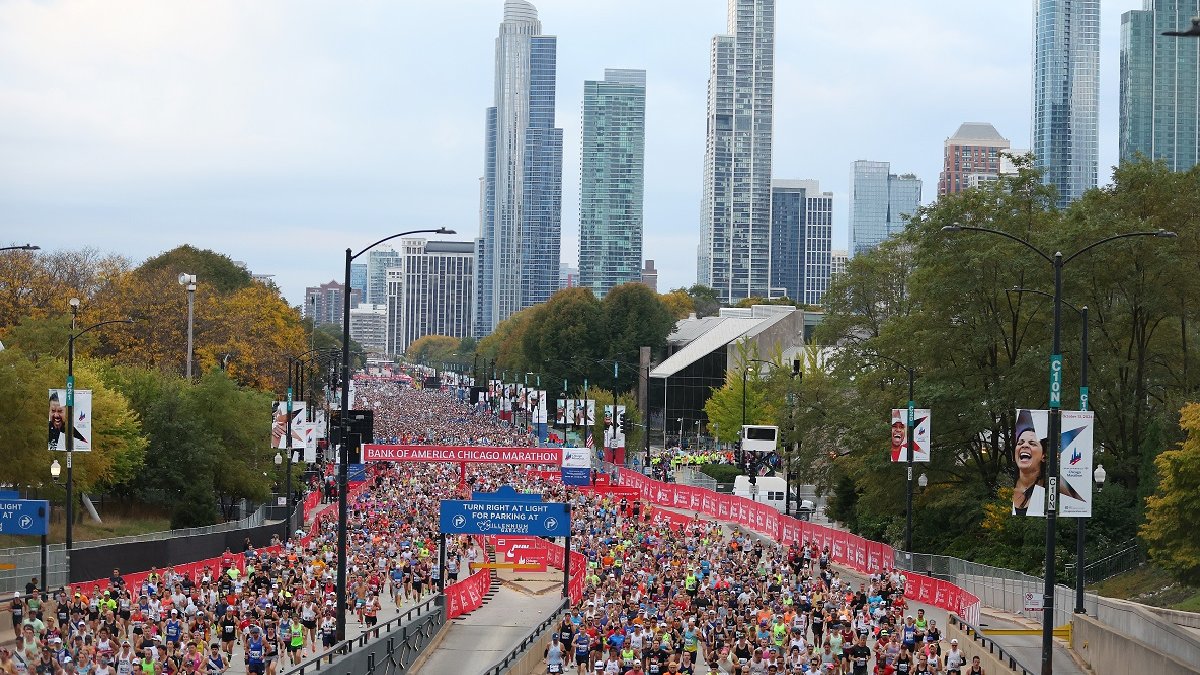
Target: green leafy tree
x,y
566,338
634,317
1171,513
704,300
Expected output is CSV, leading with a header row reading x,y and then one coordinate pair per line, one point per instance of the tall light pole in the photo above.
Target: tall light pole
x,y
70,426
908,451
189,281
1080,522
1057,261
344,420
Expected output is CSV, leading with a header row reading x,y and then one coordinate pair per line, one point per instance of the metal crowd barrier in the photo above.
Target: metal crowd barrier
x,y
528,641
990,645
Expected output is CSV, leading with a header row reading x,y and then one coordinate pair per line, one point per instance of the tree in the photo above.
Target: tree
x,y
704,300
37,285
1174,509
225,411
764,395
566,338
118,445
434,349
211,268
678,303
634,317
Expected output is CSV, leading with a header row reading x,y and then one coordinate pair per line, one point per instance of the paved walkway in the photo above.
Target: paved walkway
x,y
475,642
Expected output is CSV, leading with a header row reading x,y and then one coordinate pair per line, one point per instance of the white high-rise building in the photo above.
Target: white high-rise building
x,y
368,327
430,291
735,214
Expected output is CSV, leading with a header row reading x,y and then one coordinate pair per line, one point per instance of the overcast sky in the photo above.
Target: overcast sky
x,y
280,132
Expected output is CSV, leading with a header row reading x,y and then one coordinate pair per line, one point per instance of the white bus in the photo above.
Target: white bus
x,y
759,438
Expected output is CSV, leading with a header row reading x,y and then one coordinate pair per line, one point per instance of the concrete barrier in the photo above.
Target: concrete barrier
x,y
1189,619
1147,628
1110,652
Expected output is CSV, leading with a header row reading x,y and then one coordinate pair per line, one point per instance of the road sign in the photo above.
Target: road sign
x,y
1056,380
539,519
1033,601
24,516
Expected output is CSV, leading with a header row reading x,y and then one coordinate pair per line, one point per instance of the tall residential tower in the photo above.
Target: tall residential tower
x,y
1066,94
1160,85
971,157
735,212
612,180
521,204
801,238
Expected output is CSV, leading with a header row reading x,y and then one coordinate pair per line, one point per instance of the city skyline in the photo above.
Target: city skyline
x,y
287,174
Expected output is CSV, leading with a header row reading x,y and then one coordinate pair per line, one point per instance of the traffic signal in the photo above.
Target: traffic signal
x,y
624,424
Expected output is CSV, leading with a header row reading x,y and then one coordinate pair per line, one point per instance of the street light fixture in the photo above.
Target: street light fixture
x,y
1057,261
55,470
70,420
343,452
923,481
23,247
189,281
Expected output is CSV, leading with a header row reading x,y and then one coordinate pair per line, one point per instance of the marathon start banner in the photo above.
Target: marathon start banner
x,y
460,453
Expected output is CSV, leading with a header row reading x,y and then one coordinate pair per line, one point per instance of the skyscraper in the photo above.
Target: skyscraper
x,y
735,212
358,279
1160,85
880,203
970,157
612,179
323,304
429,291
1066,98
378,262
801,239
520,223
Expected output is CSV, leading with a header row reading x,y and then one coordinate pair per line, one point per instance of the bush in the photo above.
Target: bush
x,y
722,473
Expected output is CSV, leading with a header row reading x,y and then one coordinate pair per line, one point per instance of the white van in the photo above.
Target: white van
x,y
770,491
769,488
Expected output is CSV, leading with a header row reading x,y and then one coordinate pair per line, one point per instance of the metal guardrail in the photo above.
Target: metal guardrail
x,y
518,651
417,627
1129,555
990,645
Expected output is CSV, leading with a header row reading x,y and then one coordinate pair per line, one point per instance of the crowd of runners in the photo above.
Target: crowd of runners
x,y
698,600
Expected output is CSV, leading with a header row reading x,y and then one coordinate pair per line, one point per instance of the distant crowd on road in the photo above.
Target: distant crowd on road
x,y
404,415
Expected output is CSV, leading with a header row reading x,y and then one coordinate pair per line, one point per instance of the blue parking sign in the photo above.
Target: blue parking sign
x,y
24,516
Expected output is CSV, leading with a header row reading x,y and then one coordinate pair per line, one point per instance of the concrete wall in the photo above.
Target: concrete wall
x,y
1147,628
1109,652
991,663
1189,619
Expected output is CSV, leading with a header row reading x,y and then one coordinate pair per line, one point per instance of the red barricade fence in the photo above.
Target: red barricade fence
x,y
845,548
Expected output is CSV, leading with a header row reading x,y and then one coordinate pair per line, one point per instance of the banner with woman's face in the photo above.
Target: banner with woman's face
x,y
56,436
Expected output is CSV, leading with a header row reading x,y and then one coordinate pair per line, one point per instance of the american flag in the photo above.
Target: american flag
x,y
588,442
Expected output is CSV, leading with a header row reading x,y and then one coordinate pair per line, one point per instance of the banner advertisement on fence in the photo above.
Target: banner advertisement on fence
x,y
81,427
523,551
920,434
846,548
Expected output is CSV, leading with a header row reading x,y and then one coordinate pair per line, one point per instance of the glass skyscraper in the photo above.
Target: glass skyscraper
x,y
801,239
612,159
521,201
1160,85
378,262
358,278
735,214
1066,94
880,203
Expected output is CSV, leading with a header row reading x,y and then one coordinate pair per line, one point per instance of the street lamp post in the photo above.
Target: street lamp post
x,y
1080,522
1057,261
343,451
189,280
70,425
908,451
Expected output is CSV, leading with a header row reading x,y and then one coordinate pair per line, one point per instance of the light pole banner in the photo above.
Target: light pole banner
x,y
920,434
613,436
1075,464
537,403
279,425
56,436
585,412
560,412
1031,437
